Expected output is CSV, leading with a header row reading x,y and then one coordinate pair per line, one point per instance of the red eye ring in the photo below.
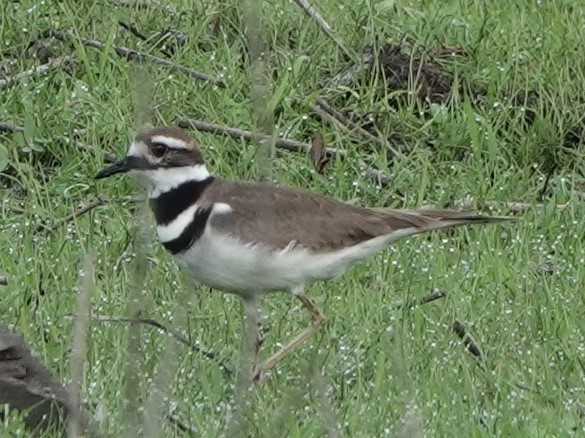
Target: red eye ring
x,y
158,149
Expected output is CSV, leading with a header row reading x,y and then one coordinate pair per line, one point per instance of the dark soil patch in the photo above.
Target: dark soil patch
x,y
419,74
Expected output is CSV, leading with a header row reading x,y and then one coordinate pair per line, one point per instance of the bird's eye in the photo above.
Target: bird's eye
x,y
159,149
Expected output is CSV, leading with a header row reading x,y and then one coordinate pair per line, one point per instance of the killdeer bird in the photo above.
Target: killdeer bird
x,y
251,238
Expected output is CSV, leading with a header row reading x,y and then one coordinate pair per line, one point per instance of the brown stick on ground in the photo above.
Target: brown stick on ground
x,y
325,27
79,212
434,295
9,128
179,337
472,347
132,54
133,4
134,31
281,143
322,107
41,69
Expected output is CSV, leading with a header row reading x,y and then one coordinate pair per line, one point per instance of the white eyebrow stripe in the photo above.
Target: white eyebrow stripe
x,y
169,141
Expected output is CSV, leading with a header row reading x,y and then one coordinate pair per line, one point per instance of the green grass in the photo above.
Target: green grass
x,y
387,370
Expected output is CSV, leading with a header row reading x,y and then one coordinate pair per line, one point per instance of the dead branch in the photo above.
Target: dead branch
x,y
181,425
460,330
9,128
310,11
56,63
348,76
13,209
134,31
434,295
377,176
3,280
138,4
281,143
322,108
178,336
77,213
131,54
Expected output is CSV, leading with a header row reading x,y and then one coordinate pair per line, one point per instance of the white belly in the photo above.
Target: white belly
x,y
225,263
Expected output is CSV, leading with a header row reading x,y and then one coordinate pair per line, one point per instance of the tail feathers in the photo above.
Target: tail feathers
x,y
461,216
419,221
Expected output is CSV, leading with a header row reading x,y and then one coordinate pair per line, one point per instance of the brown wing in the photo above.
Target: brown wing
x,y
278,216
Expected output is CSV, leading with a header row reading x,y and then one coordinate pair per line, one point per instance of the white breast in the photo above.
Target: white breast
x,y
225,263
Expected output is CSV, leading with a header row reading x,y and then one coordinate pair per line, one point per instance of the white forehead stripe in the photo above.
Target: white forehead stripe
x,y
171,142
137,148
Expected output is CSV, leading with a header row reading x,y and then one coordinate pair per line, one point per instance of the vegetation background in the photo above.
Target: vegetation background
x,y
468,105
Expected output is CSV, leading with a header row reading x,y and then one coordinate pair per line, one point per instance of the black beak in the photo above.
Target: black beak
x,y
121,166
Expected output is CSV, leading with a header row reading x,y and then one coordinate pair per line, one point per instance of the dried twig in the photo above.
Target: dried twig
x,y
134,31
160,388
132,54
318,154
322,107
472,347
260,88
281,143
79,345
79,212
434,295
132,391
181,425
178,336
238,415
138,4
3,280
56,63
348,76
9,128
325,27
378,176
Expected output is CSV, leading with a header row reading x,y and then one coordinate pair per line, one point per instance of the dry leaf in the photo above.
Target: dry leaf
x,y
318,153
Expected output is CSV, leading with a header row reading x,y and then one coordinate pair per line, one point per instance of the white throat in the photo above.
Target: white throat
x,y
163,179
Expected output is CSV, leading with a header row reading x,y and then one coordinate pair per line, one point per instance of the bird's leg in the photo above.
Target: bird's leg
x,y
317,321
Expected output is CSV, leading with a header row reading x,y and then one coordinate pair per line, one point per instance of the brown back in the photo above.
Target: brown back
x,y
278,216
